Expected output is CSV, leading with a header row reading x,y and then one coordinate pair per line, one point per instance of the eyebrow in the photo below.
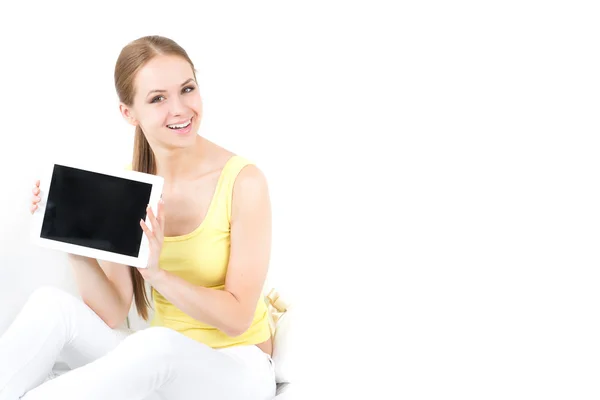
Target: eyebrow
x,y
162,91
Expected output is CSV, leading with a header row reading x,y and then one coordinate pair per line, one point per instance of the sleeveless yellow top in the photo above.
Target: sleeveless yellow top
x,y
201,258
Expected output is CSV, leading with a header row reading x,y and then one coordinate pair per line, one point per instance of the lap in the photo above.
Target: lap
x,y
242,372
236,372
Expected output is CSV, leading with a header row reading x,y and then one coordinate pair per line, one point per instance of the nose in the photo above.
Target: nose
x,y
176,106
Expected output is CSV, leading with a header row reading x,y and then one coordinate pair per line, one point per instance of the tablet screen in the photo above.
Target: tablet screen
x,y
95,210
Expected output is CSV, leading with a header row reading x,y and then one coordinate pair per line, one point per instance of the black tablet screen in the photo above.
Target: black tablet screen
x,y
95,210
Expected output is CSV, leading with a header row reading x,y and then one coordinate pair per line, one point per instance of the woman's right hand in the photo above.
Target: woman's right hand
x,y
35,199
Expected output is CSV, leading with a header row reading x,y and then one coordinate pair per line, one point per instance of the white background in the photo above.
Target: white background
x,y
434,174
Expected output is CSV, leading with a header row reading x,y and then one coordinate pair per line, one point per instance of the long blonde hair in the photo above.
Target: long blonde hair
x,y
131,59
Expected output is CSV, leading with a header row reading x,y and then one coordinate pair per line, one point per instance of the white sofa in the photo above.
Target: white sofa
x,y
24,267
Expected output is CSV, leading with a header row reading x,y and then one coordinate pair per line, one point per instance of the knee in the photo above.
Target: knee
x,y
49,296
46,302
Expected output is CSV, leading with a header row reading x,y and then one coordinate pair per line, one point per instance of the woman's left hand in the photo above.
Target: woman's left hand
x,y
155,239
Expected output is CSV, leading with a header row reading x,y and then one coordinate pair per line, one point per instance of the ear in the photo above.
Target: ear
x,y
128,114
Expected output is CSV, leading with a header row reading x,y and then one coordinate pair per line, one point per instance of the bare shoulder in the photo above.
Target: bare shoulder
x,y
250,190
251,177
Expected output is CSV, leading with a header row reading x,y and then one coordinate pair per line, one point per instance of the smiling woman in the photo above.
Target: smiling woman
x,y
162,98
210,243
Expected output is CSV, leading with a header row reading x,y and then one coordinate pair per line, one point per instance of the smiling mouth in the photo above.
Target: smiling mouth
x,y
180,126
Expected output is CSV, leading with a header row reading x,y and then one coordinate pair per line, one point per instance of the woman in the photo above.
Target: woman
x,y
210,245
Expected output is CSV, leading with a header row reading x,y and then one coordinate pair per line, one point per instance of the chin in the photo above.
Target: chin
x,y
184,142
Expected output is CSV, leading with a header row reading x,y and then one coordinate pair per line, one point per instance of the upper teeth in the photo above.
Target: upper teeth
x,y
180,125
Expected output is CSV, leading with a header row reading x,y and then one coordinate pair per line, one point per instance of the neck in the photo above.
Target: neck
x,y
178,164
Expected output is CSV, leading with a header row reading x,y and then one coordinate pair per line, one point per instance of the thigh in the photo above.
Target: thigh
x,y
198,371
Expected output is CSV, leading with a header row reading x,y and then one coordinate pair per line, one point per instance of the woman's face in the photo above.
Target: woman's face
x,y
167,103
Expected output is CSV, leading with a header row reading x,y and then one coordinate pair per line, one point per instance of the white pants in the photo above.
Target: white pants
x,y
154,363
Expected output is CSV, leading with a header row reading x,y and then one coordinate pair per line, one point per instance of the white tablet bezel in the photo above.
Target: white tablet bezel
x,y
141,260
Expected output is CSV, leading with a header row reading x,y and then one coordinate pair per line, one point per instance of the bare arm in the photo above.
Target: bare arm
x,y
105,287
231,310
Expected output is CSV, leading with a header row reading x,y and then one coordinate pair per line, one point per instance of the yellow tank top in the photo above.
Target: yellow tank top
x,y
201,257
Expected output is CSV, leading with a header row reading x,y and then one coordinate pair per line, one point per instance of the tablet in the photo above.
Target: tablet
x,y
96,212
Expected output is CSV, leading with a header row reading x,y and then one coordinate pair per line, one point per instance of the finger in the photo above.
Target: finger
x,y
147,230
156,227
161,214
35,190
37,183
33,208
35,199
152,218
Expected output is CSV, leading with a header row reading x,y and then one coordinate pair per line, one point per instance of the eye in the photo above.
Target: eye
x,y
191,88
155,100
